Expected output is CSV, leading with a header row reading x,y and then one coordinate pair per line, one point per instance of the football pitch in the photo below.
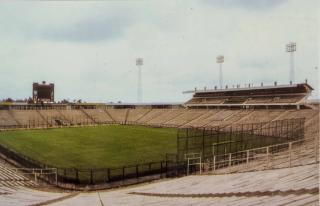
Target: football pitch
x,y
93,147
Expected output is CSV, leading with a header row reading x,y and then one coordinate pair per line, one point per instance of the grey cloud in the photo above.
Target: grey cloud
x,y
89,30
246,4
179,46
257,64
63,23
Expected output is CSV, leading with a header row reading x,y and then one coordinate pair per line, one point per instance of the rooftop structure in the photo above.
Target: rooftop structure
x,y
275,95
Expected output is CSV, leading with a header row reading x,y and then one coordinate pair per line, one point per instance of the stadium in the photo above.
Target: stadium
x,y
235,132
88,135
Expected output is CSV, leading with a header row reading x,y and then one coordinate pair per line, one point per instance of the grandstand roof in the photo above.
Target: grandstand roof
x,y
146,104
250,88
276,95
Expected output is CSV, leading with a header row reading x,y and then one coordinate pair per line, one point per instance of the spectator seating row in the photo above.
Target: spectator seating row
x,y
159,117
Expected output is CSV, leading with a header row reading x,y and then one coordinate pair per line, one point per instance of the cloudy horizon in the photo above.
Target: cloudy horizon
x,y
88,49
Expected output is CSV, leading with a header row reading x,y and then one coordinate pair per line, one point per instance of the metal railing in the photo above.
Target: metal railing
x,y
294,153
224,140
84,176
37,173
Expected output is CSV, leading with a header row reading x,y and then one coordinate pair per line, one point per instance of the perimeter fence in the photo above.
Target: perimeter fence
x,y
219,141
142,172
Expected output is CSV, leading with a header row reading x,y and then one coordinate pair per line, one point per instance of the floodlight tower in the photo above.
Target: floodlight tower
x,y
139,63
291,47
220,60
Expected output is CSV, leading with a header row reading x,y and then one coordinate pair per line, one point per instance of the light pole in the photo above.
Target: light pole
x,y
139,63
220,60
291,47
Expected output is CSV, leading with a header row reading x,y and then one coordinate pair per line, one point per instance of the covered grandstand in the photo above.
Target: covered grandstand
x,y
283,96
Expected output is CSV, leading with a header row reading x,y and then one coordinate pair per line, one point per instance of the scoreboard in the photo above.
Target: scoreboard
x,y
42,93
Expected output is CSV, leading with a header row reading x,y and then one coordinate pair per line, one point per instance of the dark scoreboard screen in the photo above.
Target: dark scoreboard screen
x,y
43,92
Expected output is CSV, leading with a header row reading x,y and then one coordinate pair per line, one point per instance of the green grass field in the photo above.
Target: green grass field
x,y
93,147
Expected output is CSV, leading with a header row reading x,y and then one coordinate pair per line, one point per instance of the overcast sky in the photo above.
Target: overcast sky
x,y
88,49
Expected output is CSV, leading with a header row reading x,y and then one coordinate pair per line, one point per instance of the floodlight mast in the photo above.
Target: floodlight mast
x,y
139,63
220,60
291,47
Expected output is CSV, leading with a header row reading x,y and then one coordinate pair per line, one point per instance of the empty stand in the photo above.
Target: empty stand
x,y
98,115
89,116
50,116
151,115
219,117
301,177
165,117
261,116
25,117
186,117
16,196
253,97
6,119
136,114
10,178
119,115
76,116
275,99
296,153
307,113
235,100
155,117
15,189
289,186
237,117
206,101
203,119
